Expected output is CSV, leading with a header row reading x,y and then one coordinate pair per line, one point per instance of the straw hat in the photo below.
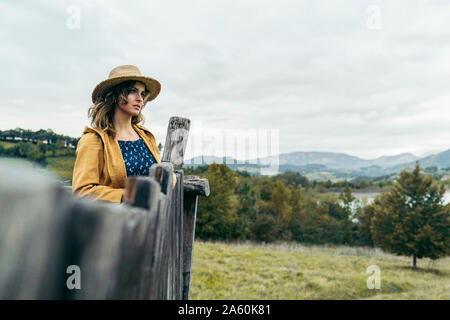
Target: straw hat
x,y
123,73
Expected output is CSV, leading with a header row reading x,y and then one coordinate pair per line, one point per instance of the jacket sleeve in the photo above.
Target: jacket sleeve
x,y
88,169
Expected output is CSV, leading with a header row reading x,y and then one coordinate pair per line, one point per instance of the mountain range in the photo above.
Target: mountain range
x,y
340,165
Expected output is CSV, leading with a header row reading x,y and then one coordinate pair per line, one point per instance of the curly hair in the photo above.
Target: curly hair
x,y
102,112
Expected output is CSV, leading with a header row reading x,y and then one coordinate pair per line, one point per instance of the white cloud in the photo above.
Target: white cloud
x,y
311,69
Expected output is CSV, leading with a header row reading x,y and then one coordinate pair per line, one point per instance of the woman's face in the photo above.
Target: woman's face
x,y
135,99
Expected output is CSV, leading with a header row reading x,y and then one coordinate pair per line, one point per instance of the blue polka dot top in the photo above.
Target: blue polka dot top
x,y
138,159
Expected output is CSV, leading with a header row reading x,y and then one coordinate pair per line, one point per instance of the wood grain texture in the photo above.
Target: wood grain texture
x,y
176,141
194,185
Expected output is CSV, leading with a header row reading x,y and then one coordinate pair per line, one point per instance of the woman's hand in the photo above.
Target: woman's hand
x,y
174,180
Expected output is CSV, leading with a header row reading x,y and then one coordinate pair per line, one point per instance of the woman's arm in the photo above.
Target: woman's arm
x,y
88,169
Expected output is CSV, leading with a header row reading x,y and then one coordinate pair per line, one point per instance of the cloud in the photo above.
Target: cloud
x,y
311,69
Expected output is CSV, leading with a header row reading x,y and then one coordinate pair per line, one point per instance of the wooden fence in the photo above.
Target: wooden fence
x,y
57,246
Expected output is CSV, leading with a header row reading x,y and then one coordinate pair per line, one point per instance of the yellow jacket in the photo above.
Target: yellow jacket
x,y
99,169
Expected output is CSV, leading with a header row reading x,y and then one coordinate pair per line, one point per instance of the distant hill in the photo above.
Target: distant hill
x,y
326,164
440,160
340,160
320,160
389,161
328,159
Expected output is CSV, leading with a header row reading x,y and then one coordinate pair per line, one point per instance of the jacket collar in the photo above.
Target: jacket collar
x,y
149,140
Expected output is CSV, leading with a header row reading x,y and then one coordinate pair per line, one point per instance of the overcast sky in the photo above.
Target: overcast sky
x,y
367,78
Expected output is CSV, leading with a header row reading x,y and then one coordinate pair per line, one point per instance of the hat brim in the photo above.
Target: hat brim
x,y
151,85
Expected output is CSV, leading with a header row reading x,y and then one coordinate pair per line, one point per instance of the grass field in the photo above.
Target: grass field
x,y
294,271
61,166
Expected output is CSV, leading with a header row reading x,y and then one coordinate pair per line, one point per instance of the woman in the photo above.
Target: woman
x,y
117,145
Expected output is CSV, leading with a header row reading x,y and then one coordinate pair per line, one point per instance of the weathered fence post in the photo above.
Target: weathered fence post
x,y
193,187
184,217
174,150
176,140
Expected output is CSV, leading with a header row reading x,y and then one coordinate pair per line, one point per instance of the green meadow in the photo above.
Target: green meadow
x,y
62,166
291,271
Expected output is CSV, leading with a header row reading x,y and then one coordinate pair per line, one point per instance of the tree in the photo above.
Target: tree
x,y
364,216
347,197
411,218
265,188
246,211
289,177
21,149
280,202
216,215
343,214
266,228
37,156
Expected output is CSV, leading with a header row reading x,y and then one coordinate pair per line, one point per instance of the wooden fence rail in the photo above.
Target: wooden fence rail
x,y
51,241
